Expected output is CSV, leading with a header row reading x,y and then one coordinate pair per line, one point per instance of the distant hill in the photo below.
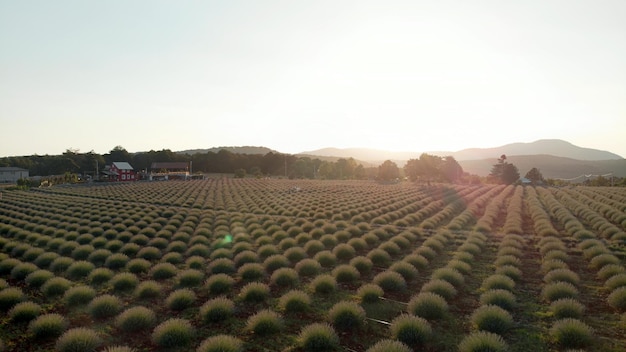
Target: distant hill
x,y
550,166
554,147
553,157
236,150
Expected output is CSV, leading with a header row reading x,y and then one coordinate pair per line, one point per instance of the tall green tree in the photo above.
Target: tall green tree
x,y
504,172
388,171
534,175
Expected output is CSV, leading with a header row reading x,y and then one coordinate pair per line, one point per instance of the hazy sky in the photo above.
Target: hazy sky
x,y
301,75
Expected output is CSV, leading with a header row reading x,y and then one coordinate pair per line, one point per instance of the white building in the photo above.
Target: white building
x,y
12,174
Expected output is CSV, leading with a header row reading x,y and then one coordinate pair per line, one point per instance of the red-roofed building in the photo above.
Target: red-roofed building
x,y
120,171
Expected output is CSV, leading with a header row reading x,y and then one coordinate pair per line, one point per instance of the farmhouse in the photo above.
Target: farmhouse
x,y
12,174
119,171
169,171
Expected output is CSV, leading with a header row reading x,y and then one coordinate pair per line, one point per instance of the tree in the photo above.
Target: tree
x,y
433,168
388,171
118,154
534,175
504,172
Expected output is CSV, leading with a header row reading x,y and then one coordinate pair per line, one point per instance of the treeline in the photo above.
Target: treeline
x,y
223,161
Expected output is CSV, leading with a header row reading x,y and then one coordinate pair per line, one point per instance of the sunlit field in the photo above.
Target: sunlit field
x,y
299,265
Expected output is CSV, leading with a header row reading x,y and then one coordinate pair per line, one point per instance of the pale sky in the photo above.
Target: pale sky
x,y
301,75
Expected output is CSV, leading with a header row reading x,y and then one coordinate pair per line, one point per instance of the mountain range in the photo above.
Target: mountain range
x,y
555,158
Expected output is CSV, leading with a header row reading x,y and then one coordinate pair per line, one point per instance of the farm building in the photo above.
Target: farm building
x,y
119,171
12,174
169,171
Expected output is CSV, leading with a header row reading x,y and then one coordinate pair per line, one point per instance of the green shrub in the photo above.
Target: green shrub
x,y
387,345
549,265
567,308
61,264
78,340
251,271
617,299
346,315
498,281
428,305
510,271
148,289
460,266
79,269
449,274
123,282
254,292
370,293
265,322
308,267
295,254
21,270
219,284
313,246
135,319
173,332
221,343
601,260
504,299
82,252
24,312
344,252
610,270
116,261
492,318
508,260
323,284
221,266
196,262
9,297
294,301
557,290
56,286
571,333
47,325
318,337
163,271
104,306
138,266
78,295
181,299
362,264
441,287
390,281
37,278
7,265
411,330
565,275
418,261
407,270
216,310
379,257
326,259
189,278
346,273
481,341
100,276
285,277
274,262
615,281
45,259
